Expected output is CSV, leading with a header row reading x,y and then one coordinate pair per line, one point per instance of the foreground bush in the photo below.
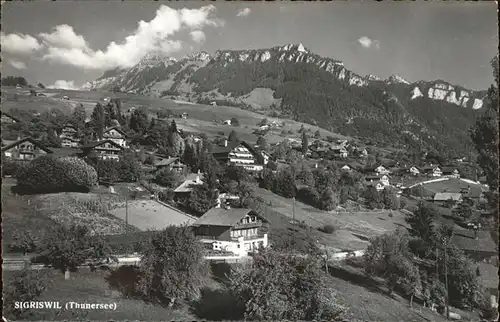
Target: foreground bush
x,y
283,287
48,174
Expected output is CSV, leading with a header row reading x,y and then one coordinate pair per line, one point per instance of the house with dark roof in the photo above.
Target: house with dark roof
x,y
25,149
104,150
444,198
183,191
116,135
234,230
432,171
172,164
376,179
8,119
238,153
480,249
450,172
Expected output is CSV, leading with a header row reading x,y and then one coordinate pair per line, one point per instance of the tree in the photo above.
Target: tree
x,y
235,122
67,247
285,184
176,144
233,136
172,266
484,134
390,200
305,176
139,121
167,178
129,168
47,174
317,135
98,120
51,139
283,287
32,93
421,222
24,286
262,143
14,81
202,199
372,198
305,143
263,122
40,85
328,200
78,117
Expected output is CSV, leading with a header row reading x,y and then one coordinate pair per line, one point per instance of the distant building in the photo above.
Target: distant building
x,y
450,172
339,151
172,164
433,171
233,230
444,198
25,149
414,171
382,179
227,122
183,191
65,97
104,150
238,153
346,168
69,136
382,170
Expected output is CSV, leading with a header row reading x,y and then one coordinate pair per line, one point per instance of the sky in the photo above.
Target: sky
x,y
67,43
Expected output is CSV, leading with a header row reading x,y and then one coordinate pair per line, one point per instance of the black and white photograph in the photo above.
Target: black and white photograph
x,y
250,160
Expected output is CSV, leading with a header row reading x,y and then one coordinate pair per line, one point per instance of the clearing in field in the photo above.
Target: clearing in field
x,y
151,215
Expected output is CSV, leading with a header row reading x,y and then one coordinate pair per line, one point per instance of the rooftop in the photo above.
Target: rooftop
x,y
222,217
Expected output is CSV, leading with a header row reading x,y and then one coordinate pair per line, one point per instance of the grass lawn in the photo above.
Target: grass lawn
x,y
92,287
367,300
353,230
19,215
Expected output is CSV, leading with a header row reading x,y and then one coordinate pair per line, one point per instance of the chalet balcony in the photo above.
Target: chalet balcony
x,y
248,238
255,224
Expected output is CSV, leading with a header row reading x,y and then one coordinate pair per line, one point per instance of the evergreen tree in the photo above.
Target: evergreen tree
x,y
233,136
139,121
305,143
78,117
98,119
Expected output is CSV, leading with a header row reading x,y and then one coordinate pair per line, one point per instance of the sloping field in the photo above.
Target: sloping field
x,y
150,215
353,229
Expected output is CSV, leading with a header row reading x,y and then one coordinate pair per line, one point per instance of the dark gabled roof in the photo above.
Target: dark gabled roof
x,y
65,152
223,217
8,115
230,146
96,144
165,162
115,128
465,239
373,177
448,169
35,142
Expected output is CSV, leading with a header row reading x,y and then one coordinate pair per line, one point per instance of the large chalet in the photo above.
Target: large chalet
x,y
116,135
69,137
238,153
233,230
25,149
104,150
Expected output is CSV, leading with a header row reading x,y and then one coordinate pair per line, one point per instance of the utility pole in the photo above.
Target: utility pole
x,y
294,224
446,283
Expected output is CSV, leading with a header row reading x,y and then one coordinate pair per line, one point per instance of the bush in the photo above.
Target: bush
x,y
327,229
10,168
308,195
167,178
48,174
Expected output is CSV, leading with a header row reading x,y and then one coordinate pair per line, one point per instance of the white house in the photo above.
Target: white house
x,y
234,230
227,122
346,168
116,135
381,170
414,171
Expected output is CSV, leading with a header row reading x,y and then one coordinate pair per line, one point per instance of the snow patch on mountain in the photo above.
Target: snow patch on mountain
x,y
396,79
478,103
416,93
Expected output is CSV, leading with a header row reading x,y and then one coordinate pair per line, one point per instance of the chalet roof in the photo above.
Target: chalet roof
x,y
373,177
431,168
10,116
191,180
448,169
465,239
98,143
165,162
222,217
443,196
230,146
116,128
29,139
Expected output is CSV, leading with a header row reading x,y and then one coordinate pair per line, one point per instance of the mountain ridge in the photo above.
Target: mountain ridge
x,y
310,88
